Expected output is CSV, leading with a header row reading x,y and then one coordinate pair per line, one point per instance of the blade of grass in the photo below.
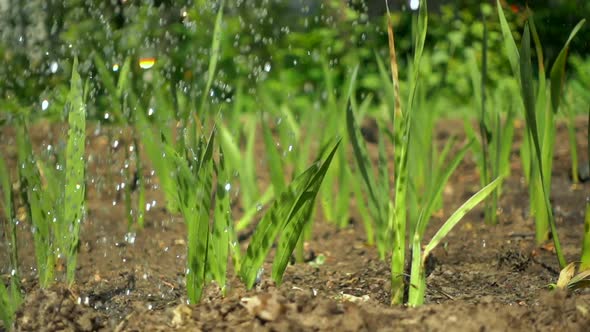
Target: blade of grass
x,y
161,161
222,223
558,69
441,181
37,206
452,221
526,80
509,43
557,84
270,225
273,159
7,204
106,79
214,53
75,187
298,217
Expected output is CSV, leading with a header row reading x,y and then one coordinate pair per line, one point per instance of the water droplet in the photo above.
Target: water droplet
x,y
150,111
44,105
53,67
116,67
267,67
258,207
259,275
227,186
130,237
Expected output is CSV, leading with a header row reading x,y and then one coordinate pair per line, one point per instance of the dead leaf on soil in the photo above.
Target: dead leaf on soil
x,y
353,299
549,246
571,281
565,276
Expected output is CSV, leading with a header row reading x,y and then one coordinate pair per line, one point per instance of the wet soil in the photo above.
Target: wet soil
x,y
486,278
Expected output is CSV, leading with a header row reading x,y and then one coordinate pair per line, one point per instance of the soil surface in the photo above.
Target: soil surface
x,y
486,278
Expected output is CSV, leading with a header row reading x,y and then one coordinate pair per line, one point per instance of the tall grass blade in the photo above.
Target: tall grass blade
x,y
75,187
10,301
37,206
458,215
273,158
106,79
214,52
253,209
7,203
526,80
438,187
558,69
557,84
509,43
271,224
222,223
298,218
362,156
197,218
161,161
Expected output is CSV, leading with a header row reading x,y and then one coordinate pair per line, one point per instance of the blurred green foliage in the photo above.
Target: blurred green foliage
x,y
279,46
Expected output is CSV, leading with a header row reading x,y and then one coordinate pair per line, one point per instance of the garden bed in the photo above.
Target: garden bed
x,y
485,277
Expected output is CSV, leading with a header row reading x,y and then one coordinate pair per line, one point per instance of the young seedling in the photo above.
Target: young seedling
x,y
10,298
395,211
287,216
55,203
540,139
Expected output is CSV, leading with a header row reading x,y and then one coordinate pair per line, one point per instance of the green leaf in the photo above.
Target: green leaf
x,y
364,164
214,54
270,225
509,43
75,165
194,198
37,206
558,69
161,161
7,203
298,218
441,180
273,159
123,82
459,214
222,223
528,96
